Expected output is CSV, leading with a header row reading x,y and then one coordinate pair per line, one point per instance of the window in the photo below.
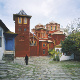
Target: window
x,y
1,32
0,37
57,50
55,27
34,43
19,29
43,45
54,42
51,27
31,43
44,34
58,28
19,20
0,42
24,29
43,51
25,20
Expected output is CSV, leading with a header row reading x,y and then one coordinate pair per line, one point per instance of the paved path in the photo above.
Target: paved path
x,y
39,68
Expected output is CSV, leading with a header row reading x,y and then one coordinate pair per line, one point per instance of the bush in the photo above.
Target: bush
x,y
54,54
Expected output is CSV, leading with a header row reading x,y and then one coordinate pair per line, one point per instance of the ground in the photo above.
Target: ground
x,y
40,68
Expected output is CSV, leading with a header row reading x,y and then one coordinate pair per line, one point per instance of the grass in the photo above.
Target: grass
x,y
71,66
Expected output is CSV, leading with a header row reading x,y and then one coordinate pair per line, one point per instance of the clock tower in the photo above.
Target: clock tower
x,y
22,28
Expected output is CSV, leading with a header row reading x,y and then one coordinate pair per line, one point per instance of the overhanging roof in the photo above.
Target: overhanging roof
x,y
3,26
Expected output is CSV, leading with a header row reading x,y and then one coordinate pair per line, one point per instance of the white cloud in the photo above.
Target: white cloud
x,y
42,11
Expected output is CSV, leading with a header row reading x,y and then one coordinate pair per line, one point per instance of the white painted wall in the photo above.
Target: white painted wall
x,y
3,45
64,57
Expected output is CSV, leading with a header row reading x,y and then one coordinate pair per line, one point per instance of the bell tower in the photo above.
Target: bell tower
x,y
22,28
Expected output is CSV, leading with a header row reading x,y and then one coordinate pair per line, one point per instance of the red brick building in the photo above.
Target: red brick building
x,y
22,28
48,37
37,44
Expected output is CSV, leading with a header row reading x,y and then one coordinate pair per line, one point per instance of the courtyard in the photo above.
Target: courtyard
x,y
40,68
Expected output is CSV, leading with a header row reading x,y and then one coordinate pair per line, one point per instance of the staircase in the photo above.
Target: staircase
x,y
3,69
8,56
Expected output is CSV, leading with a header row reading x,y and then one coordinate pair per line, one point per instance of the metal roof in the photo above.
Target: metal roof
x,y
22,12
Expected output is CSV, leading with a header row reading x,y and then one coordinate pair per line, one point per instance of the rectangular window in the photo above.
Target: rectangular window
x,y
51,27
0,41
24,29
19,29
0,32
25,20
43,51
55,27
44,34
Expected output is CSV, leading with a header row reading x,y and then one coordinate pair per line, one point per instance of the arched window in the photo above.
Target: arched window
x,y
43,45
34,43
51,27
19,20
25,20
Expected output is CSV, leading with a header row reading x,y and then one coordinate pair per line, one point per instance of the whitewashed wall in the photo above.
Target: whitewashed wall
x,y
64,57
3,45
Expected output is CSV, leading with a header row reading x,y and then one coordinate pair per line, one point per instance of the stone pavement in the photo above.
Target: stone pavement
x,y
38,68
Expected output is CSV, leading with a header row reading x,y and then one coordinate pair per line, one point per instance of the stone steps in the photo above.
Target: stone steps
x,y
3,69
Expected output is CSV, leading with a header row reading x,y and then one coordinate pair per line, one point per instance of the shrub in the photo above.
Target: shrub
x,y
55,55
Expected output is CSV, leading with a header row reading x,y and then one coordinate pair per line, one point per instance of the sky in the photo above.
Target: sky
x,y
42,11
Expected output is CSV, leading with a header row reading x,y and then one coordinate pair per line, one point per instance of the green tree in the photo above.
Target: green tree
x,y
72,44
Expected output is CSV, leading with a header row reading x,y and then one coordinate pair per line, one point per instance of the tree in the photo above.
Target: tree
x,y
72,44
74,26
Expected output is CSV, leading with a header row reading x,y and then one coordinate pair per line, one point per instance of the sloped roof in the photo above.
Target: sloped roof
x,y
3,26
6,30
22,12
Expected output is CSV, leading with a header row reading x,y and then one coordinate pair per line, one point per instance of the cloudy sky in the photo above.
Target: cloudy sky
x,y
42,11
